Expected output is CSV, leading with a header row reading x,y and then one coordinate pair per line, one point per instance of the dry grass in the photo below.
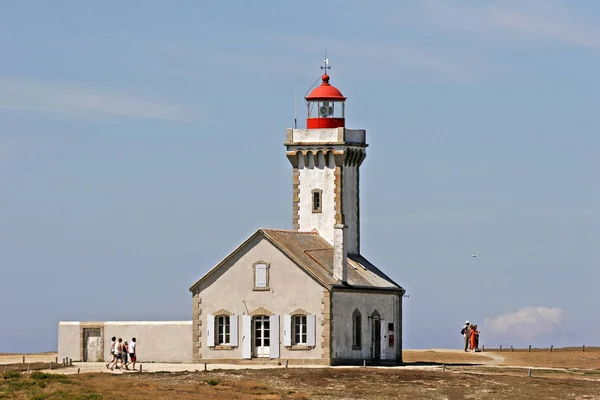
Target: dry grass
x,y
297,384
466,376
558,358
137,387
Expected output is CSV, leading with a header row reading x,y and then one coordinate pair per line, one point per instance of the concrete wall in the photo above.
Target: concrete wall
x,y
317,172
231,288
157,341
355,135
350,185
389,307
69,340
328,135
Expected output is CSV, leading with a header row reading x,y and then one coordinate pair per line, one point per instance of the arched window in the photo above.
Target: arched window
x,y
356,330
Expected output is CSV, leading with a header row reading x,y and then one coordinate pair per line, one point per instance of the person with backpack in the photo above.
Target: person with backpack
x,y
466,332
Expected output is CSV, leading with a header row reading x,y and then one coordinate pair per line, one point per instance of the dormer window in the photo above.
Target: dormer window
x,y
317,200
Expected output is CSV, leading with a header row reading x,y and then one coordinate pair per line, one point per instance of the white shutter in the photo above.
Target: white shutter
x,y
261,275
233,330
311,325
287,330
274,345
384,342
210,330
246,336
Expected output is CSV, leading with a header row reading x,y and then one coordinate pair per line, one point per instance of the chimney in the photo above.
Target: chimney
x,y
340,262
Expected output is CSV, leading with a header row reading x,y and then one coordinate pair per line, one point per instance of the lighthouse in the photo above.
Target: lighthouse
x,y
326,158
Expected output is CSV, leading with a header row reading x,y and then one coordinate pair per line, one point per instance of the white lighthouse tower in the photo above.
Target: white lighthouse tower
x,y
326,157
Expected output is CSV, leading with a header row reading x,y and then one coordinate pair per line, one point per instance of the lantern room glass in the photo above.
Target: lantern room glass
x,y
325,109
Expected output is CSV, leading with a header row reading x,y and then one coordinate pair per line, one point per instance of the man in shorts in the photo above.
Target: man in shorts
x,y
112,352
132,353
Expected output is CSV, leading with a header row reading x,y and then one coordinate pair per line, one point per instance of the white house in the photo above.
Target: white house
x,y
305,295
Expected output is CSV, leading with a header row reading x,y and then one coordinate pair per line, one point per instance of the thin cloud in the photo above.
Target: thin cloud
x,y
76,101
366,56
484,216
548,21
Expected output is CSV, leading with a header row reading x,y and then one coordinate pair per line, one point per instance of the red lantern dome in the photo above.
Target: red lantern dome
x,y
325,91
325,105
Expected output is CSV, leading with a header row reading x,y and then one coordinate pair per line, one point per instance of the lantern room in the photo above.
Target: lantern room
x,y
325,106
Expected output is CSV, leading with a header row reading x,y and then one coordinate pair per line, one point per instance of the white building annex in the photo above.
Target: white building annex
x,y
305,295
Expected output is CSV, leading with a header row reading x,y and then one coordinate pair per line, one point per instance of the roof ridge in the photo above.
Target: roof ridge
x,y
289,231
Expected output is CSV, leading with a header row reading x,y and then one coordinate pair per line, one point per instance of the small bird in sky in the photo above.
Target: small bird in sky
x,y
473,255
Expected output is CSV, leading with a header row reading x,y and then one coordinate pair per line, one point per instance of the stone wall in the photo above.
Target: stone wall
x,y
386,305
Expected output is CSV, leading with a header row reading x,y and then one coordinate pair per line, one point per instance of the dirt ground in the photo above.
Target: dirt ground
x,y
428,374
559,358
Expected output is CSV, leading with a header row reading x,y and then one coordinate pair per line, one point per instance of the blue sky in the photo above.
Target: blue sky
x,y
141,141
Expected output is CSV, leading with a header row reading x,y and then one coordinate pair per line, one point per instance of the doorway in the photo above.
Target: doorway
x,y
92,348
375,336
262,336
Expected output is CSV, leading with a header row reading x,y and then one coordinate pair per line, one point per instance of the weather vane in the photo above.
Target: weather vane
x,y
325,65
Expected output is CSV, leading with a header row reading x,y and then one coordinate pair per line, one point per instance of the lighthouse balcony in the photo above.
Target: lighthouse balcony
x,y
326,136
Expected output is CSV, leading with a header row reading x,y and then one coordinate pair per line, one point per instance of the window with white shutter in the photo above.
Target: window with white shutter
x,y
299,329
222,330
261,275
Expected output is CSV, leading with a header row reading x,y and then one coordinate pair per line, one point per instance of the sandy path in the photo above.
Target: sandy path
x,y
29,358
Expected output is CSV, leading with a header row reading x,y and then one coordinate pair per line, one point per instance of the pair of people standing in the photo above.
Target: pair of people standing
x,y
120,351
470,337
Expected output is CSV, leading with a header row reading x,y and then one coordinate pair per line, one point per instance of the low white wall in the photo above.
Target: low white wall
x,y
156,341
68,340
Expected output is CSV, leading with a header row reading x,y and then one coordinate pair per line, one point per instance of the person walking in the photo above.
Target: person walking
x,y
125,354
118,354
466,334
112,352
132,353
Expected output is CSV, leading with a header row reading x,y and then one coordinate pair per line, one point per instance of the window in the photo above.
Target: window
x,y
222,327
300,329
356,330
317,199
261,275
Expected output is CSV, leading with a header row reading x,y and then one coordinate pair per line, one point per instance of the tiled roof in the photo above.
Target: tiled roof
x,y
315,255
